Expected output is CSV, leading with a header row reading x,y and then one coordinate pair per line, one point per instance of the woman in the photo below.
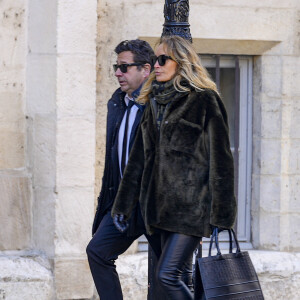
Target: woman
x,y
180,168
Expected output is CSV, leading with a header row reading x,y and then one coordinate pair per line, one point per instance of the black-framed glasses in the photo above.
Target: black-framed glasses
x,y
123,67
161,59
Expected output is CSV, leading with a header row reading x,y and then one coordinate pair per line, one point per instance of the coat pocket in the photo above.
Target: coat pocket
x,y
185,136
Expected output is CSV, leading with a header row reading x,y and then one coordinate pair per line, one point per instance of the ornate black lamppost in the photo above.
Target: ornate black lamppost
x,y
176,14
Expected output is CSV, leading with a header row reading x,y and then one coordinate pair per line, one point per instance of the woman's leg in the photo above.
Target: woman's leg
x,y
177,249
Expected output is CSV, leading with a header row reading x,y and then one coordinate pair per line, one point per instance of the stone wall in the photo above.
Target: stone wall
x,y
47,152
15,181
61,90
12,84
48,169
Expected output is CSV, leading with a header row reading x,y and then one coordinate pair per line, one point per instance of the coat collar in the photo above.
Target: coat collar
x,y
135,94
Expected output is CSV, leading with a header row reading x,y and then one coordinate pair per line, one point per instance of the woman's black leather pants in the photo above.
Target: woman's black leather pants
x,y
177,254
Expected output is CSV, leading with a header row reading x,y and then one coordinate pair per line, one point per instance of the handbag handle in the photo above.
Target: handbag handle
x,y
215,238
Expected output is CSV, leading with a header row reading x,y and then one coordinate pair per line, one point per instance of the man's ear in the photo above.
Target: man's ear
x,y
147,70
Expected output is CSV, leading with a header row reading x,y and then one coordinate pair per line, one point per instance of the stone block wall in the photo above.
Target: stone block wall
x,y
61,128
15,181
52,111
12,84
47,149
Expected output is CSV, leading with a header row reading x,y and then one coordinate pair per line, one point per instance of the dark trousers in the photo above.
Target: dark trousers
x,y
175,258
104,248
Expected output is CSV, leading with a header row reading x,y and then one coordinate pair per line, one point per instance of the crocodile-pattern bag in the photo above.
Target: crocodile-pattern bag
x,y
228,276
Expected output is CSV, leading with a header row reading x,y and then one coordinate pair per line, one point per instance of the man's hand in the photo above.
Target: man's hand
x,y
120,223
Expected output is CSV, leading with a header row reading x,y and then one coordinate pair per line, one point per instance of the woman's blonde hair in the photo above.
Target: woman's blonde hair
x,y
189,68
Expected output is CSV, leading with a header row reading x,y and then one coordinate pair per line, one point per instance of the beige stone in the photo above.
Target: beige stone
x,y
269,227
72,37
271,76
292,157
271,124
291,76
12,82
294,223
74,216
15,213
25,278
13,24
231,21
42,21
76,90
44,150
270,192
270,156
11,149
44,220
41,88
12,121
75,152
294,189
288,109
73,278
26,291
291,123
133,273
278,274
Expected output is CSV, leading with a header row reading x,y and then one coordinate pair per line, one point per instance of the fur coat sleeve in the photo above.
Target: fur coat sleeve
x,y
221,168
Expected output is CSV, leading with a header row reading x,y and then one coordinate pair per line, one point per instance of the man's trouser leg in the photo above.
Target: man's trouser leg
x,y
104,248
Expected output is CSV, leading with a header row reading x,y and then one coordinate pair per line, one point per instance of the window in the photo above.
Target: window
x,y
233,75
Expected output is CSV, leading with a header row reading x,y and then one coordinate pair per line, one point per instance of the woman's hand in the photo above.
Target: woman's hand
x,y
120,222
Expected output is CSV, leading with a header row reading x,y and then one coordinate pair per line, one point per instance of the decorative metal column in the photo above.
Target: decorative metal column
x,y
176,14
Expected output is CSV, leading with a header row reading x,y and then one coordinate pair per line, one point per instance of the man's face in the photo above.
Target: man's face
x,y
133,78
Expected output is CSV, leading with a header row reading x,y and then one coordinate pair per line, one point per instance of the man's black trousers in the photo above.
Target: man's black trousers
x,y
104,248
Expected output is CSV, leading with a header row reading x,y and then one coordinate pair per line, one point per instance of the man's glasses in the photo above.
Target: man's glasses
x,y
123,67
161,59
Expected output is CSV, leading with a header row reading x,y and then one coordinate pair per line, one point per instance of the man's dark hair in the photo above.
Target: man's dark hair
x,y
141,50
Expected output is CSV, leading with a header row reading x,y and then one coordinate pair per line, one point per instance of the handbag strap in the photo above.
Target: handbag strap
x,y
215,238
238,249
230,241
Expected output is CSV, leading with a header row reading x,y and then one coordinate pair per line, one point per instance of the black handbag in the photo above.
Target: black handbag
x,y
226,276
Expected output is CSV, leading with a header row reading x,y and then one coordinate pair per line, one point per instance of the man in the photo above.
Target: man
x,y
132,69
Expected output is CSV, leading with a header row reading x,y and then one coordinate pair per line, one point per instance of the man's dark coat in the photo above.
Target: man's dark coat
x,y
116,108
183,175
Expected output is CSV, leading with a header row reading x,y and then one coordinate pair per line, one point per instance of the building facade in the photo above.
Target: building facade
x,y
56,77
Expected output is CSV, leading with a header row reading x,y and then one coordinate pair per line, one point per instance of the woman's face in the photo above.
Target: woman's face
x,y
168,70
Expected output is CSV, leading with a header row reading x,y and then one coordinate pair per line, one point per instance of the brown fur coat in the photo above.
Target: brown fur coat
x,y
182,175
